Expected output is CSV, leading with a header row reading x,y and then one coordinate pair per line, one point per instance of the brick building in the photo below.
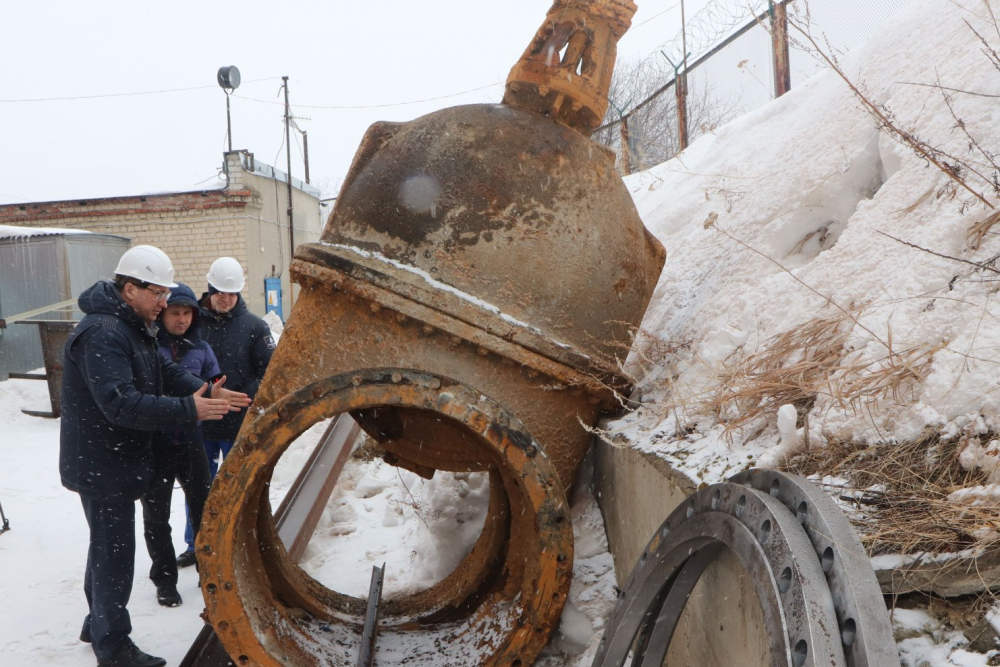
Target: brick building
x,y
247,220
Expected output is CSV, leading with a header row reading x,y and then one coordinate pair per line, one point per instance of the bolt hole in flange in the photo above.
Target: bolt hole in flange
x,y
765,531
826,560
802,512
785,580
849,632
800,653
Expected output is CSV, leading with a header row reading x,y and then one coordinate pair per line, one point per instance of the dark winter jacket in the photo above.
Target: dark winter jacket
x,y
117,393
189,352
243,344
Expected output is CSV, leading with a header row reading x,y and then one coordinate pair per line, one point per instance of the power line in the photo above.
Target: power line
x,y
251,99
673,6
143,92
373,106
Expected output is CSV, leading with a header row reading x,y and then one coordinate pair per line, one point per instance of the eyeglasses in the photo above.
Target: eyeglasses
x,y
160,296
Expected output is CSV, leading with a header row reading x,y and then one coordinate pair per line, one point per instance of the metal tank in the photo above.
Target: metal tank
x,y
469,303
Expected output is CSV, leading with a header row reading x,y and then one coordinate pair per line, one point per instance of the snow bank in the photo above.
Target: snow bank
x,y
780,218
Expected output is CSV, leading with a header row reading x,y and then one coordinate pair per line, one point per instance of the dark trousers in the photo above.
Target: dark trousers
x,y
187,463
108,579
213,449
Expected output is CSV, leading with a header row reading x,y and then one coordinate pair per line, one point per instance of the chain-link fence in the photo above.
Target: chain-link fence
x,y
739,57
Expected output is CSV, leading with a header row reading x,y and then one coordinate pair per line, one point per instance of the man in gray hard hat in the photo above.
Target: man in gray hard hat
x,y
118,393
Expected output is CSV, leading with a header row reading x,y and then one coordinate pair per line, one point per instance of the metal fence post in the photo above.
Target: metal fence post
x,y
680,89
626,149
779,45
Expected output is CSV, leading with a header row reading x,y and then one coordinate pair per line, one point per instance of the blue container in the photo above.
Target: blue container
x,y
273,302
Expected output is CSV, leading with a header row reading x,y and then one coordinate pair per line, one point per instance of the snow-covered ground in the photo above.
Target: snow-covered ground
x,y
378,514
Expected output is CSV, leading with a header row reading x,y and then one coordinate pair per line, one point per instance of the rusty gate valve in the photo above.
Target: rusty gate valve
x,y
566,71
470,303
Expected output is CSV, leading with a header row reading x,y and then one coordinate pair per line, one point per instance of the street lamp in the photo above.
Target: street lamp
x,y
229,80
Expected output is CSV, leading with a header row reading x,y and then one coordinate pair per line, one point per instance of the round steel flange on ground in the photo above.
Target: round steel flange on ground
x,y
862,617
267,612
769,543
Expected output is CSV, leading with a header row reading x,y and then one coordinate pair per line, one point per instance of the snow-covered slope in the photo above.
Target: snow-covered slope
x,y
779,221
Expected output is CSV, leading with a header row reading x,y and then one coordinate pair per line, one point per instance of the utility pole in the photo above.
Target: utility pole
x,y
305,152
288,175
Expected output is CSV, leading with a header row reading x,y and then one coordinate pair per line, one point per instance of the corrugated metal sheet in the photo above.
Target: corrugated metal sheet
x,y
43,269
92,257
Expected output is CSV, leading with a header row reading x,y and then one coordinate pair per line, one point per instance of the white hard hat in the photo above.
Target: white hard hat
x,y
148,264
226,275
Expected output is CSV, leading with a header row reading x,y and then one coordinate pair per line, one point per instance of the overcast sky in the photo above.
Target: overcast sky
x,y
363,53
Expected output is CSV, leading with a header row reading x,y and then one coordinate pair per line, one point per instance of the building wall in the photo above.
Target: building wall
x,y
247,221
267,237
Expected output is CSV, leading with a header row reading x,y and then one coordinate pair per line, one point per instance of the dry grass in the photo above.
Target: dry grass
x,y
813,360
978,231
902,491
645,351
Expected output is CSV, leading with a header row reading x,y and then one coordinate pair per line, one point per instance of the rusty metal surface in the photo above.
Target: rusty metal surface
x,y
469,304
53,334
268,612
333,331
295,518
779,46
565,73
522,214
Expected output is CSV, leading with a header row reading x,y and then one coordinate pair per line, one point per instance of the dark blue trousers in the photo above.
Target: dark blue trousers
x,y
110,567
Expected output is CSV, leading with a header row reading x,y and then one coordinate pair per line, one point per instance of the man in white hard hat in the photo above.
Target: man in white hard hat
x,y
118,393
242,343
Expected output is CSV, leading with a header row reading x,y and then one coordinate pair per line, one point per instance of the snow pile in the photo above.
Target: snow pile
x,y
780,219
274,322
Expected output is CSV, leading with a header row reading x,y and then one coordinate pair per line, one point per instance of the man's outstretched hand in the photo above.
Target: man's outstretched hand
x,y
219,401
209,408
237,400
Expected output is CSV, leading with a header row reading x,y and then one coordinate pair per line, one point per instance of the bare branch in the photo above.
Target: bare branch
x,y
980,265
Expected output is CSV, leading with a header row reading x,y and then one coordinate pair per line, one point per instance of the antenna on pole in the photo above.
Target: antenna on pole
x,y
229,80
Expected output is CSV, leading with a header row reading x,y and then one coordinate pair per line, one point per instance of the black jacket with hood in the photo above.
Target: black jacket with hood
x,y
189,352
117,394
243,344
